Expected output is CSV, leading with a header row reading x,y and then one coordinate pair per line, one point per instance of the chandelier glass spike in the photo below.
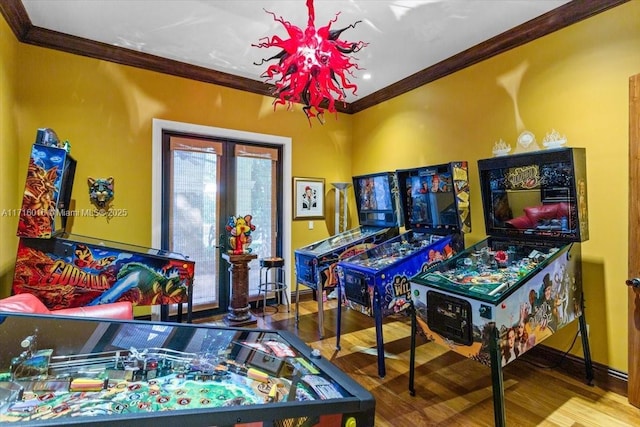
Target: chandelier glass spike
x,y
313,66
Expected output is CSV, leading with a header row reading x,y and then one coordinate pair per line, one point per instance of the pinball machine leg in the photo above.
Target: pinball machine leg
x,y
179,313
584,331
189,307
412,354
297,302
377,314
339,319
496,379
320,298
189,303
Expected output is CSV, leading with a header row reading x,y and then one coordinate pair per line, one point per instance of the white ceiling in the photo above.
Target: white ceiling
x,y
404,36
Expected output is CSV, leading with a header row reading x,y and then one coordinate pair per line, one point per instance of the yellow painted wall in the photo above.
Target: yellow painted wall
x,y
9,196
574,81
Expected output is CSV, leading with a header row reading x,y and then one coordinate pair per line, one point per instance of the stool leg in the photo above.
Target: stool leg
x,y
264,301
266,290
284,291
286,298
276,287
260,292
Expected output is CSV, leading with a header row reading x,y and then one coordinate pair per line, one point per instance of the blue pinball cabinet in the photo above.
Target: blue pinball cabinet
x,y
379,219
435,208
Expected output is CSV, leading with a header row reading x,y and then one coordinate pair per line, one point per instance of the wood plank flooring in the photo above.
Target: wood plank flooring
x,y
450,389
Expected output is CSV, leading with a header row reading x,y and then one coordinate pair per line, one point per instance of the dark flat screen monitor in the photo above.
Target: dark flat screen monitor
x,y
376,198
432,201
428,198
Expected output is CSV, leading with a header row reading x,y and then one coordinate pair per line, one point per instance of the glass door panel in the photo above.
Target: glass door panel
x,y
256,172
193,214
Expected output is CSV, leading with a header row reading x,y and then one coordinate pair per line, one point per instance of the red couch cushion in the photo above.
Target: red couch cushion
x,y
28,303
23,303
116,310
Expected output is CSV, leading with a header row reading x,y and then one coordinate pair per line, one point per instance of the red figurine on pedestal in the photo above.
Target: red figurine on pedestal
x,y
240,229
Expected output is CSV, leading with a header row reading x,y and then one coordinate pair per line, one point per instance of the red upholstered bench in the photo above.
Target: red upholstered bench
x,y
28,303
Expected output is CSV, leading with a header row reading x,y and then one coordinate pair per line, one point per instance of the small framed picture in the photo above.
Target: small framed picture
x,y
308,198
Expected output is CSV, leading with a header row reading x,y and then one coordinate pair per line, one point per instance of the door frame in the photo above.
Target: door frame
x,y
633,347
159,126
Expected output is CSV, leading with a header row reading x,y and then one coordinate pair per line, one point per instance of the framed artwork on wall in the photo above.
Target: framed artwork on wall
x,y
308,198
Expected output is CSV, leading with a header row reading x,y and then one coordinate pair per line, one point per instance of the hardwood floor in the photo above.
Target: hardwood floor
x,y
450,389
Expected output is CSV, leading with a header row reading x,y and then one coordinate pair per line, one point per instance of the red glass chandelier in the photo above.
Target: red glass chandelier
x,y
313,66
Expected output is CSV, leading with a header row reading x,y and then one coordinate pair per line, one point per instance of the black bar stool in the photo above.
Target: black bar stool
x,y
272,279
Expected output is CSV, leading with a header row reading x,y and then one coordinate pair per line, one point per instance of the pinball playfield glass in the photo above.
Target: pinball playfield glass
x,y
502,296
72,371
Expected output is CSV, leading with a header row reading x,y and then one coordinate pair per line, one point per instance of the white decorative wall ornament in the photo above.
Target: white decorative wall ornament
x,y
526,143
554,139
501,148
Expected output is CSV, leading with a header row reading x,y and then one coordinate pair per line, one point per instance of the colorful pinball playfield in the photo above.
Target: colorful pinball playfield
x,y
62,371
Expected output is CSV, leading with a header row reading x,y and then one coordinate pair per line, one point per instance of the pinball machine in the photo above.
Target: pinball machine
x,y
61,371
65,270
506,294
436,214
379,219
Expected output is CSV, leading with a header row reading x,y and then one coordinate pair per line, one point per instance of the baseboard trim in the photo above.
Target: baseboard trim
x,y
306,294
574,366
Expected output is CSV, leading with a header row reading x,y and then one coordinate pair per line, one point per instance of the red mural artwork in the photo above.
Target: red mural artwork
x,y
313,66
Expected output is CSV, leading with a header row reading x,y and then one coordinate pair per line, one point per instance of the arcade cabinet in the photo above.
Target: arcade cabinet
x,y
146,374
506,294
65,270
435,207
47,189
377,204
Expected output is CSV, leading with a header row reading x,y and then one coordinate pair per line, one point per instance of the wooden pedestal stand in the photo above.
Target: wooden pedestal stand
x,y
239,309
